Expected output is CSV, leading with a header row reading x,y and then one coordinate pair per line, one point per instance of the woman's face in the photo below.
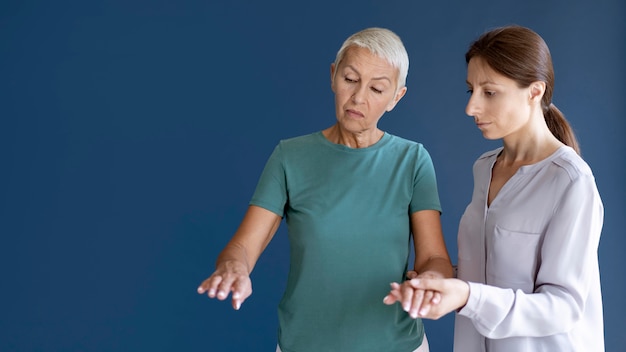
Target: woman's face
x,y
365,86
499,107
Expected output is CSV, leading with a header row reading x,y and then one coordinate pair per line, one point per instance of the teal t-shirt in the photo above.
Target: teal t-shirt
x,y
347,212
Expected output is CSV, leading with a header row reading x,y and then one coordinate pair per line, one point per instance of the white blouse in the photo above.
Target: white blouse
x,y
531,259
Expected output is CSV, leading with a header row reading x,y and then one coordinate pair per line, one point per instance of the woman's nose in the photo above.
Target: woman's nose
x,y
471,107
359,94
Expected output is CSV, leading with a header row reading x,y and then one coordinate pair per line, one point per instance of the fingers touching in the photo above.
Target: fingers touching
x,y
420,298
220,285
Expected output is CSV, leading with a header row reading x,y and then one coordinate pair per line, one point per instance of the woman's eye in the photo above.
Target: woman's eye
x,y
470,91
490,93
350,80
377,91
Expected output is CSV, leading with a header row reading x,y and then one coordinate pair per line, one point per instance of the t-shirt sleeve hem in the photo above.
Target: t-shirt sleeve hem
x,y
436,207
267,206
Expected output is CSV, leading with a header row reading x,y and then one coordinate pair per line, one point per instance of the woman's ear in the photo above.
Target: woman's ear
x,y
399,94
537,89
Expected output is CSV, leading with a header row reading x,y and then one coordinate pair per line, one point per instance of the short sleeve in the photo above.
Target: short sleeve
x,y
271,190
425,193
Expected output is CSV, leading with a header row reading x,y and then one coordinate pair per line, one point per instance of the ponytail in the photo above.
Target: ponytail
x,y
560,128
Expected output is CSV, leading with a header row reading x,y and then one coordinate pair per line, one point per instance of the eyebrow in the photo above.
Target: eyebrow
x,y
375,78
483,83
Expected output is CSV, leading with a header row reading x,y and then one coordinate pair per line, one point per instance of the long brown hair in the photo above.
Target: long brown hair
x,y
522,55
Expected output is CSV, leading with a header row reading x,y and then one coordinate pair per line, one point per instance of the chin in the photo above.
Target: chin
x,y
351,125
490,137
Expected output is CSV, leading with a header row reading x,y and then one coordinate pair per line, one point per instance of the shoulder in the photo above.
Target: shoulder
x,y
490,154
576,180
395,140
399,143
571,164
299,143
487,158
300,140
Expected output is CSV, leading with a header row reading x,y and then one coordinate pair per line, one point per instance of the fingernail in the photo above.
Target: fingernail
x,y
212,292
236,295
237,305
200,290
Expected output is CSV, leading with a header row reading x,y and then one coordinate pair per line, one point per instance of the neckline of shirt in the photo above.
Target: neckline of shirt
x,y
531,168
382,142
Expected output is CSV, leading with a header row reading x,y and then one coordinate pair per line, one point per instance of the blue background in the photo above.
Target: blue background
x,y
132,134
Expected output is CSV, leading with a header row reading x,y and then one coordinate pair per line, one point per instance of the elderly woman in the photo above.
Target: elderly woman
x,y
352,195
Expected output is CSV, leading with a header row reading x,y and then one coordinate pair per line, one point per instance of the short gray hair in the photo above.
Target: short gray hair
x,y
383,43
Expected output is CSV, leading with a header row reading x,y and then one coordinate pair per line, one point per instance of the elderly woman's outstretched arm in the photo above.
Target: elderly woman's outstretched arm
x,y
236,261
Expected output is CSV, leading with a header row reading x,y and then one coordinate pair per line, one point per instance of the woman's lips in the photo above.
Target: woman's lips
x,y
354,113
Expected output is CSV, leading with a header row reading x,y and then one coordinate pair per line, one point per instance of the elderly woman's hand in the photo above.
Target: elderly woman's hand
x,y
449,295
230,276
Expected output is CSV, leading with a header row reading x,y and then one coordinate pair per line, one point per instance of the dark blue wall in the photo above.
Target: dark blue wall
x,y
132,134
